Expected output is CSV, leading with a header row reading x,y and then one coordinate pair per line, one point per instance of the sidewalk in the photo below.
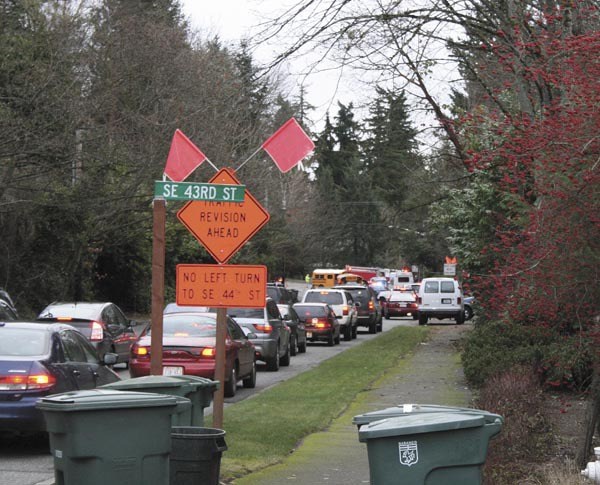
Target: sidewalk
x,y
432,375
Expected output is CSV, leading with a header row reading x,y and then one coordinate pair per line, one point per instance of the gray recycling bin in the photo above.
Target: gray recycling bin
x,y
404,409
435,448
197,389
196,455
109,436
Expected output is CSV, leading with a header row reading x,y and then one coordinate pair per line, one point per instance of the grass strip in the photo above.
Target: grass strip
x,y
261,431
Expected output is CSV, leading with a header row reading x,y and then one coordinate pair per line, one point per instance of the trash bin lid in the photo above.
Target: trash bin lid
x,y
404,409
147,382
103,399
410,424
198,381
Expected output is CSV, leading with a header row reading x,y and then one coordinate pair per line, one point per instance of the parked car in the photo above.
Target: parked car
x,y
37,360
7,314
368,309
271,336
468,304
342,303
401,304
297,329
103,324
189,348
440,298
320,321
280,294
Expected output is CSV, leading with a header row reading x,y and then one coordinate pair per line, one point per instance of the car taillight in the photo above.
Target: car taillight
x,y
140,350
37,380
345,310
97,332
263,327
320,323
208,353
371,305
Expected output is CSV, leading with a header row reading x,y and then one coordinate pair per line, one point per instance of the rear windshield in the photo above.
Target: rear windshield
x,y
330,297
447,287
362,296
82,311
23,342
432,287
309,311
402,296
246,312
189,326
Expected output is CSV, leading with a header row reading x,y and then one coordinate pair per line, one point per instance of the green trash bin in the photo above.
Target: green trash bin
x,y
197,389
404,409
436,448
196,455
109,436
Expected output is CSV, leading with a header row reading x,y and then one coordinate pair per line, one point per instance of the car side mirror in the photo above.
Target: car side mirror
x,y
251,335
110,359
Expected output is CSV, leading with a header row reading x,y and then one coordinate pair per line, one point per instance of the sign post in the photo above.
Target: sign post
x,y
158,285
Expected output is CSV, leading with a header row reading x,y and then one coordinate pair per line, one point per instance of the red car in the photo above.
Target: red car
x,y
189,341
320,322
401,304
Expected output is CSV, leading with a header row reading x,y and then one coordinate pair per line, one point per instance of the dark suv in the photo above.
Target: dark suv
x,y
369,310
280,294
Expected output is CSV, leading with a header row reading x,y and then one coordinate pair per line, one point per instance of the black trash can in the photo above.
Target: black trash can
x,y
196,455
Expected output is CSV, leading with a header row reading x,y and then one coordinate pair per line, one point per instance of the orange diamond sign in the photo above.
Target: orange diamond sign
x,y
223,227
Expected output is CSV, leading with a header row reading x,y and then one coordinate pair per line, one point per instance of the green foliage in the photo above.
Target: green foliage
x,y
493,347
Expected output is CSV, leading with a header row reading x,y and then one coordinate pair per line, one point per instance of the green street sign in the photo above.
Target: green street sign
x,y
196,191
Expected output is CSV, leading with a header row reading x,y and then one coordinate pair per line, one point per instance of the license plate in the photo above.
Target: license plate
x,y
172,371
447,300
403,305
308,334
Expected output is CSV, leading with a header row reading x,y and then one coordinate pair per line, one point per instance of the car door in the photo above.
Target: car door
x,y
244,348
122,335
101,374
280,330
76,360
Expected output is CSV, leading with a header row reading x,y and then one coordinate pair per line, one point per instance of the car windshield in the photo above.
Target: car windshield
x,y
330,297
180,325
23,342
310,311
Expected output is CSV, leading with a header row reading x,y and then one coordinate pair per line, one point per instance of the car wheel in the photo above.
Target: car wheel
x,y
373,327
330,340
302,347
355,331
422,319
273,363
387,315
285,360
250,381
460,318
380,326
348,333
293,346
468,312
231,383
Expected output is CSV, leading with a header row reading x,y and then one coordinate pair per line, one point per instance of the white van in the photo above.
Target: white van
x,y
440,298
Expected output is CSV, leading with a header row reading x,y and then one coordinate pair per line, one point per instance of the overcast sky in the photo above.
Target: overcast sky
x,y
233,20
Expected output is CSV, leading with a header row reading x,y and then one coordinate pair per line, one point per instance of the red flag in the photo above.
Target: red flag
x,y
288,145
184,157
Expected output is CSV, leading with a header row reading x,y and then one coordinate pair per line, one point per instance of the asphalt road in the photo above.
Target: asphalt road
x,y
28,461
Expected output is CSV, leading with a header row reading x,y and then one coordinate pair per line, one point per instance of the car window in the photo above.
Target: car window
x,y
120,318
246,312
292,314
272,309
180,325
305,312
73,350
447,287
23,342
108,316
235,331
432,287
330,297
91,355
